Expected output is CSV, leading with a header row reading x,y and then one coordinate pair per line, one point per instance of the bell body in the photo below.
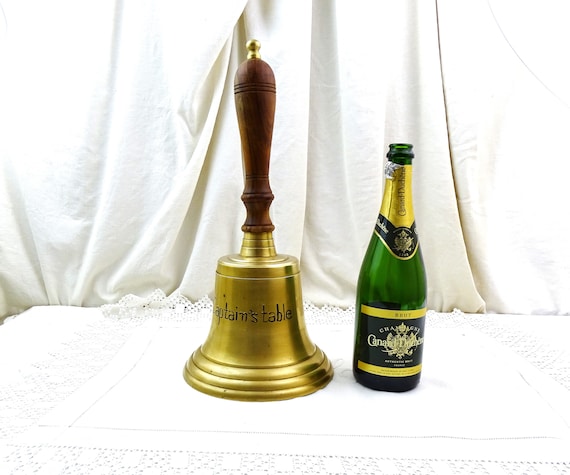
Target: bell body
x,y
258,347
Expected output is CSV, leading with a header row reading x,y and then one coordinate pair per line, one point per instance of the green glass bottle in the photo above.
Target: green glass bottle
x,y
391,292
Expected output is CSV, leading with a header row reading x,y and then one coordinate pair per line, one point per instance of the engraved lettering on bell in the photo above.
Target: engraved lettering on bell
x,y
249,315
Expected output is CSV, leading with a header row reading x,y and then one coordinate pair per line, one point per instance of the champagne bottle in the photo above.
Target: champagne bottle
x,y
391,291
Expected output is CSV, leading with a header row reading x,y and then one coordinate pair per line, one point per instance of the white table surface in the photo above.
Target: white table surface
x,y
87,390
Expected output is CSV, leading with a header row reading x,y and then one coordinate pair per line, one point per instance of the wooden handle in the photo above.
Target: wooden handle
x,y
254,89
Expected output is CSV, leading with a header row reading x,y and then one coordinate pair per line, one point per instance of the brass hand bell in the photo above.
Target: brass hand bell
x,y
258,348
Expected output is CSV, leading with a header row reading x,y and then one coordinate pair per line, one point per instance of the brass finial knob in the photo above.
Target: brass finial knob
x,y
253,47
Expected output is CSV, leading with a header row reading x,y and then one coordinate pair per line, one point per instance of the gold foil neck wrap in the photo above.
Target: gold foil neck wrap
x,y
397,205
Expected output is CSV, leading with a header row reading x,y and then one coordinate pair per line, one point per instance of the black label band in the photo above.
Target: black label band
x,y
401,241
391,341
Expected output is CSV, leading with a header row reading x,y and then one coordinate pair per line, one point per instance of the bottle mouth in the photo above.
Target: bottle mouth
x,y
400,150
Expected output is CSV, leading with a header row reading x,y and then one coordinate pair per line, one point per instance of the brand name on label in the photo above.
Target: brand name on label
x,y
400,342
381,225
402,192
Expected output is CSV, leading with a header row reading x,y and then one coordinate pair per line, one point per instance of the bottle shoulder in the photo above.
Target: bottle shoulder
x,y
383,277
378,255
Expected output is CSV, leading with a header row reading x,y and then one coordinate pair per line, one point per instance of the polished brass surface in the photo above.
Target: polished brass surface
x,y
258,245
258,348
253,47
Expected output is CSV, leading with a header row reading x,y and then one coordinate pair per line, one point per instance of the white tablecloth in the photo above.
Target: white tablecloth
x,y
86,390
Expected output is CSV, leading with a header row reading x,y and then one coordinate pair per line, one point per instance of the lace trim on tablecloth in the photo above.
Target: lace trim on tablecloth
x,y
63,460
50,381
177,308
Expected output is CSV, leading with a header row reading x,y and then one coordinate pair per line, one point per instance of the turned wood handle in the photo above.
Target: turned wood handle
x,y
254,92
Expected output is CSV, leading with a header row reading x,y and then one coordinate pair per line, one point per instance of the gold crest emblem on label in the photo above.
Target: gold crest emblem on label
x,y
402,342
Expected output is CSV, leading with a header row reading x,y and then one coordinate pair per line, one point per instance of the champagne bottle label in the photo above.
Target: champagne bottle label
x,y
393,341
396,226
401,241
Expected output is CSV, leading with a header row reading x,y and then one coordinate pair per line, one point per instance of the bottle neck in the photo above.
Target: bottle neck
x,y
397,204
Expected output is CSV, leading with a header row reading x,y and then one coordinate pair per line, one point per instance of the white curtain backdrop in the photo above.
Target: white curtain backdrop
x,y
120,160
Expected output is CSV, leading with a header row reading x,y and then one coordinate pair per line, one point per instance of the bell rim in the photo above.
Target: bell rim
x,y
263,383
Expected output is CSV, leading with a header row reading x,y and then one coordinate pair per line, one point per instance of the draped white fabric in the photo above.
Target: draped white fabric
x,y
121,163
